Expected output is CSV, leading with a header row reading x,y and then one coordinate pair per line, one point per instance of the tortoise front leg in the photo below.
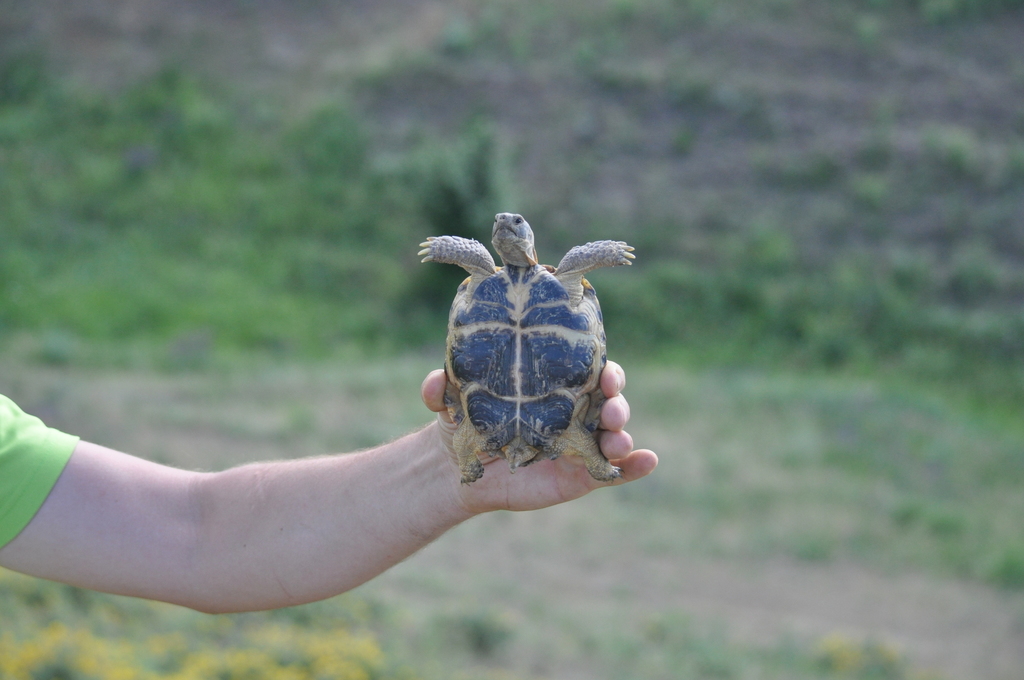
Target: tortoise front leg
x,y
588,257
468,253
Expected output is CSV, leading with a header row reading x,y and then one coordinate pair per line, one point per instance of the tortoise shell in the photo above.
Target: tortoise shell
x,y
522,356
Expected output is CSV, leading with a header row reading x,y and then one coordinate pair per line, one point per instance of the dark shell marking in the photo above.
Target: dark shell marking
x,y
523,355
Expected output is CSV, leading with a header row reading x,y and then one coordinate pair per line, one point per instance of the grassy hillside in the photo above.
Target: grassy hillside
x,y
835,185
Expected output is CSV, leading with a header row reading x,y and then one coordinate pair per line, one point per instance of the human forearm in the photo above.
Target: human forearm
x,y
278,534
281,533
255,537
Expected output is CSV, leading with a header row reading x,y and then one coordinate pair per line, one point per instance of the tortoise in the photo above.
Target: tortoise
x,y
525,350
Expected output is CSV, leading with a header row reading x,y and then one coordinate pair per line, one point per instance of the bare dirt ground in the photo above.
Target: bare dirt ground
x,y
959,630
582,563
255,45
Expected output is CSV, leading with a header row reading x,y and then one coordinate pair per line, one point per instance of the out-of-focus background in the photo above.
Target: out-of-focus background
x,y
210,214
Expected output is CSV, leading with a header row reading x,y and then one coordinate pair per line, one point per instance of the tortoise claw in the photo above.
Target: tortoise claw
x,y
616,473
626,253
472,472
426,246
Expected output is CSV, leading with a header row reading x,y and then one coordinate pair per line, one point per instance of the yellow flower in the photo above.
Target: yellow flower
x,y
841,654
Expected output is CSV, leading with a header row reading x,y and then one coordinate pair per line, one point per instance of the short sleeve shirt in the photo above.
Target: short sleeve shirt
x,y
32,456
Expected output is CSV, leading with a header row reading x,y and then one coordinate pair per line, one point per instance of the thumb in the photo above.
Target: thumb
x,y
432,393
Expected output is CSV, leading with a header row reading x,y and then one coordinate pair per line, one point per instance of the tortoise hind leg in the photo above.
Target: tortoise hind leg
x,y
597,465
467,441
577,440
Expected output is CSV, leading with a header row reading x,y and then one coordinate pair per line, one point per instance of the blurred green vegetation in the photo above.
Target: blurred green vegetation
x,y
755,296
169,213
165,213
162,212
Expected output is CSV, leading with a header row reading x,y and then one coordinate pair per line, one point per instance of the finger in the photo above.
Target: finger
x,y
613,379
614,413
637,464
432,390
615,445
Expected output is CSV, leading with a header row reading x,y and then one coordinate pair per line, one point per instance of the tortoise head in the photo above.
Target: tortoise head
x,y
512,238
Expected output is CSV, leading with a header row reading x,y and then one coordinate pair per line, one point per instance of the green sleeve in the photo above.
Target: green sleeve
x,y
32,456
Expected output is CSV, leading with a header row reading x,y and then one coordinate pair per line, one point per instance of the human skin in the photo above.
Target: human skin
x,y
283,533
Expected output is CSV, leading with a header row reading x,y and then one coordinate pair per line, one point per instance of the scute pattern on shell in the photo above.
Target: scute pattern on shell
x,y
531,354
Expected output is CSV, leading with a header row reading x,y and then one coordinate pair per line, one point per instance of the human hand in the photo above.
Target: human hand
x,y
546,482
